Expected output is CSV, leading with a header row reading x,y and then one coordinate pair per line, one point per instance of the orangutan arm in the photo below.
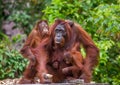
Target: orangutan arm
x,y
30,42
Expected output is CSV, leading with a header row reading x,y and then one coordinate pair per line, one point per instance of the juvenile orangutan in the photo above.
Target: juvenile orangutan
x,y
39,33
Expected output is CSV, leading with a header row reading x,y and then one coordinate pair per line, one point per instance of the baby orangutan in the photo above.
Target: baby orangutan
x,y
71,57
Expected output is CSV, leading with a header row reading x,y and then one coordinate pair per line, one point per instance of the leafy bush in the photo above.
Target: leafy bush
x,y
106,21
12,63
22,20
109,63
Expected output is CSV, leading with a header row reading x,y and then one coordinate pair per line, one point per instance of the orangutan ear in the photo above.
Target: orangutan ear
x,y
71,23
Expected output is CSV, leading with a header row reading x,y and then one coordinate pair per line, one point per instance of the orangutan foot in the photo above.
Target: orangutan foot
x,y
48,78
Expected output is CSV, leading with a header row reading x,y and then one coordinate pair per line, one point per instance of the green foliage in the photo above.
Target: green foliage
x,y
109,63
62,9
22,20
106,20
12,63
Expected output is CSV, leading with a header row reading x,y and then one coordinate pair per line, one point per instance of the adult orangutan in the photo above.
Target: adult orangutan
x,y
63,37
39,32
57,45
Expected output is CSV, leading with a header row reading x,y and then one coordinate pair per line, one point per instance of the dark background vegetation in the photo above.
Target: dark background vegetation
x,y
100,18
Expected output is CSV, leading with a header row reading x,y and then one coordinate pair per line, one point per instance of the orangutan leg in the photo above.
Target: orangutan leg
x,y
28,75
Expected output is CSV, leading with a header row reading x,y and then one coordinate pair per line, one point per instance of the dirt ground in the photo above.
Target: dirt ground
x,y
15,81
9,81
